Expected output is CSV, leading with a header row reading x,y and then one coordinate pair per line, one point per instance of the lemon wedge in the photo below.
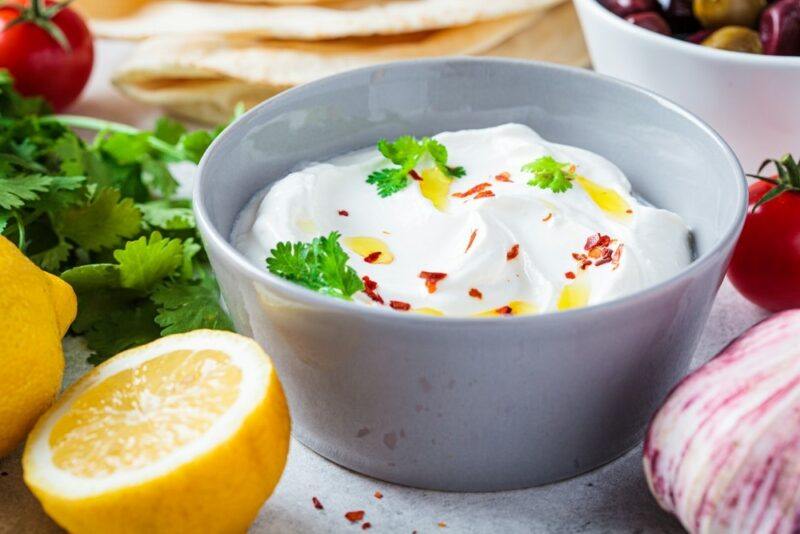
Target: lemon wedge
x,y
189,433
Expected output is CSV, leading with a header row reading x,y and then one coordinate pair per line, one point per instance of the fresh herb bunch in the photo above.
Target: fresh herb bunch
x,y
550,174
103,215
406,151
788,178
320,265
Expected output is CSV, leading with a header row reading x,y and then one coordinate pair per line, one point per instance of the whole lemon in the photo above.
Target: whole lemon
x,y
37,308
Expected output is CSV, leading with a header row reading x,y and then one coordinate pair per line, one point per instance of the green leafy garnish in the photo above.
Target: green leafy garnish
x,y
550,174
320,265
788,178
406,152
101,214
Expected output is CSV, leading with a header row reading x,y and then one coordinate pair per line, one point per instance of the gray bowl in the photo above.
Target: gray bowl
x,y
465,403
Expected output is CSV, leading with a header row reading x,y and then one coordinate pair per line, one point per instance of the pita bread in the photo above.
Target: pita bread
x,y
202,78
305,22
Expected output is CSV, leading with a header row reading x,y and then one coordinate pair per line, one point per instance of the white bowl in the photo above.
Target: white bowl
x,y
753,101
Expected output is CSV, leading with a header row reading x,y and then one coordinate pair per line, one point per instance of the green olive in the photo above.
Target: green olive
x,y
718,13
735,38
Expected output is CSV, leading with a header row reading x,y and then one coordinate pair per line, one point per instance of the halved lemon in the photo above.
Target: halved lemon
x,y
189,433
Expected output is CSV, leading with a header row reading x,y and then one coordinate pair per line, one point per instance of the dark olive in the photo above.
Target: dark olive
x,y
736,39
718,13
780,28
650,20
699,36
623,8
679,15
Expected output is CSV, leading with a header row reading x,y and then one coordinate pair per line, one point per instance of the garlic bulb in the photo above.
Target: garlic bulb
x,y
723,452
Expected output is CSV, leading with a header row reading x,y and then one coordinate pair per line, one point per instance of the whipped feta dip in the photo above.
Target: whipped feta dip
x,y
485,244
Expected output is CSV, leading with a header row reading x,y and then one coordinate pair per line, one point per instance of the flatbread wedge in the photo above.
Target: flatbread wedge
x,y
305,22
202,78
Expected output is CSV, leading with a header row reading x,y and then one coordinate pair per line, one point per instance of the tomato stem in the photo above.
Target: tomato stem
x,y
787,179
41,15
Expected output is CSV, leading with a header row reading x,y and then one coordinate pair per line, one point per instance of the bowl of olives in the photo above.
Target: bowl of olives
x,y
735,63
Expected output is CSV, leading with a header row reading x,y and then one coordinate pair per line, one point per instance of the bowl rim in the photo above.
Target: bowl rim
x,y
706,52
214,239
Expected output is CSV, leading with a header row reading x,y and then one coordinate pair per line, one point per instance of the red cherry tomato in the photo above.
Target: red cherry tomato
x,y
32,54
766,262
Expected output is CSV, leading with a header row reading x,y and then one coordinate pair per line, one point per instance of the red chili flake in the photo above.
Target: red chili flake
x,y
471,240
605,259
616,256
570,275
578,257
431,279
597,240
399,305
372,257
317,504
415,175
474,293
512,253
585,264
378,495
548,217
355,516
473,190
344,213
484,194
504,310
503,177
369,288
366,526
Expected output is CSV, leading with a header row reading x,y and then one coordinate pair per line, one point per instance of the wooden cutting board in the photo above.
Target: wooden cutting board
x,y
554,37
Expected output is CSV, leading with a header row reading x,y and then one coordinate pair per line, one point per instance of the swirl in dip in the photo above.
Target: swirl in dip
x,y
484,244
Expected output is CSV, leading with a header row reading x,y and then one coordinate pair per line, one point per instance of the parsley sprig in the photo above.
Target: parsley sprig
x,y
406,152
103,215
320,265
788,178
550,174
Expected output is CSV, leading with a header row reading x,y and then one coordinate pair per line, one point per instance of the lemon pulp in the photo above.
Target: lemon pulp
x,y
138,415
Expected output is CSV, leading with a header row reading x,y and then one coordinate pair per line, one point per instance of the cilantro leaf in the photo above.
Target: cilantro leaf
x,y
126,148
156,176
402,149
93,277
439,154
51,259
90,210
389,181
168,214
407,151
320,265
15,192
103,223
169,130
145,262
550,174
183,307
121,329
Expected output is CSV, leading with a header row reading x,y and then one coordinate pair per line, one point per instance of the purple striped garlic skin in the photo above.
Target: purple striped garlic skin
x,y
723,452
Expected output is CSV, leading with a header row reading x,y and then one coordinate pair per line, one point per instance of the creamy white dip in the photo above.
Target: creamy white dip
x,y
518,249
